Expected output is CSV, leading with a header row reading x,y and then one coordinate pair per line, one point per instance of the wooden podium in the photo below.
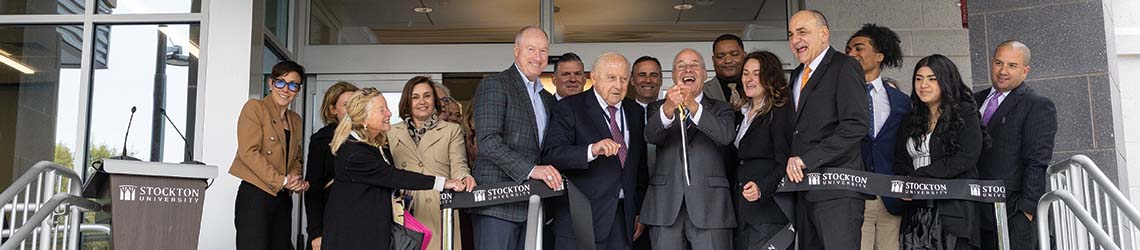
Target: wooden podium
x,y
153,205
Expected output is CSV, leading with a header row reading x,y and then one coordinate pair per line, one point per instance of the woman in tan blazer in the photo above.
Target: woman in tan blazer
x,y
425,144
268,161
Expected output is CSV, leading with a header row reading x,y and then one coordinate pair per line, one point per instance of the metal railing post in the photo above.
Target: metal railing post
x,y
534,223
448,229
1002,225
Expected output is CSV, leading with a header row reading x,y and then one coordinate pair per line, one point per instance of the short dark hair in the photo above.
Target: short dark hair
x,y
406,96
646,58
284,67
885,41
568,57
729,37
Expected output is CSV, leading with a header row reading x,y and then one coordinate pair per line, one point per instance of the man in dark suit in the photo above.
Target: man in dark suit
x,y
510,120
876,47
831,118
596,140
1022,126
728,60
689,208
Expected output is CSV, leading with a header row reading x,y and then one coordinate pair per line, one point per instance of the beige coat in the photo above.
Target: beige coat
x,y
441,152
260,158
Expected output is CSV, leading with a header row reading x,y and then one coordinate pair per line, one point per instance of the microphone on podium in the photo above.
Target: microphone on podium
x,y
189,152
126,135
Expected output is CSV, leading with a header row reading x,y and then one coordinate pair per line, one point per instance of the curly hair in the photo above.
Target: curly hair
x,y
771,80
954,93
884,41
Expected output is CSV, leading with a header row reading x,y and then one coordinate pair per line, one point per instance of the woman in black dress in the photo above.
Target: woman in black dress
x,y
943,138
359,210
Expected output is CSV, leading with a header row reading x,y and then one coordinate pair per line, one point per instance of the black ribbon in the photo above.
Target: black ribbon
x,y
903,187
581,215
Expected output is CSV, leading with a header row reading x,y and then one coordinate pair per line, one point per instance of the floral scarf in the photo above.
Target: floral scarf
x,y
418,133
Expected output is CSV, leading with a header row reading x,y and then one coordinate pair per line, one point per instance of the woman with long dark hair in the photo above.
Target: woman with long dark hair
x,y
763,142
942,139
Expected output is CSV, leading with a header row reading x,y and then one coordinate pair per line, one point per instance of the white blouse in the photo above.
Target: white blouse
x,y
921,156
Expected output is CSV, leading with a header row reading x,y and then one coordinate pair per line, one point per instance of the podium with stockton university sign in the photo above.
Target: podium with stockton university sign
x,y
153,205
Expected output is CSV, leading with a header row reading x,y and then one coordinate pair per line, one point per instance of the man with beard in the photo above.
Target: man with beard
x,y
728,59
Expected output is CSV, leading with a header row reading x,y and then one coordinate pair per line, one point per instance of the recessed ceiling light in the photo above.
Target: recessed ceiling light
x,y
423,10
683,6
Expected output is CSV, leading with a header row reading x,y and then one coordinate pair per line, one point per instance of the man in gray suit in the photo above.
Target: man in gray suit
x,y
690,207
510,122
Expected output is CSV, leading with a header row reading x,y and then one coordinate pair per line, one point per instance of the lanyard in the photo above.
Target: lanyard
x,y
620,123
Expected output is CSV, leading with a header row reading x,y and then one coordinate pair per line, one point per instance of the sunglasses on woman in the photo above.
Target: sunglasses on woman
x,y
280,84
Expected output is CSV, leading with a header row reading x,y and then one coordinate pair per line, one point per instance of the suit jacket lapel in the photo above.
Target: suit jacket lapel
x,y
431,137
523,93
813,81
1010,101
713,89
403,140
896,99
594,111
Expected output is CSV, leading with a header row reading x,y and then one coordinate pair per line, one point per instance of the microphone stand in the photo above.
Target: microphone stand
x,y
684,141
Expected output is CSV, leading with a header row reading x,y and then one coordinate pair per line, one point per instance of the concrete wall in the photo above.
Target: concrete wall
x,y
925,28
1126,26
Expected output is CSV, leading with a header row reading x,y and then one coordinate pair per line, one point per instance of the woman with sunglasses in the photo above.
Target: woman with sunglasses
x,y
268,161
426,144
320,164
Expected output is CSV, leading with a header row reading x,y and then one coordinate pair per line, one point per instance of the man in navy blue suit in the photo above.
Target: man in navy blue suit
x,y
595,140
876,47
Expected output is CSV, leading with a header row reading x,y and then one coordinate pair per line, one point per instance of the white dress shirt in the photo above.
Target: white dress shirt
x,y
881,104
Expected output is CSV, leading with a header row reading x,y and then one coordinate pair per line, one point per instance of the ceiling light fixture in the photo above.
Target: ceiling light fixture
x,y
5,58
683,6
423,10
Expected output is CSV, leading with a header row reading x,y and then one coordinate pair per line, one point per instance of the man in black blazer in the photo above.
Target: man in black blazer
x,y
510,112
830,120
1022,126
596,140
695,211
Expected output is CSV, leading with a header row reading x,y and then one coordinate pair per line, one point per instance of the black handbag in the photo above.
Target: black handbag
x,y
403,238
921,230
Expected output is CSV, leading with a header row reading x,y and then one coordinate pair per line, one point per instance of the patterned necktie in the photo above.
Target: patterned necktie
x,y
734,97
993,105
871,109
618,135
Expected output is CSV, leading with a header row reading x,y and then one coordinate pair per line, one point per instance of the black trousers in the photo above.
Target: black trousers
x,y
753,236
262,221
830,224
1022,232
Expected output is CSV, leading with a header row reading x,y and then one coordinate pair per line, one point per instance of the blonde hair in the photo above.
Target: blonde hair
x,y
356,113
331,97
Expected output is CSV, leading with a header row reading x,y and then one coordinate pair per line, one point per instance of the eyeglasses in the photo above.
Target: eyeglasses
x,y
280,84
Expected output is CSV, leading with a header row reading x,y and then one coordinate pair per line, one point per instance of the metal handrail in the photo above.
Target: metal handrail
x,y
76,202
33,173
1083,215
1106,185
46,199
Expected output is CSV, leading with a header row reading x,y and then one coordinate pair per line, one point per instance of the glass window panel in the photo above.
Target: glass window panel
x,y
17,7
398,22
147,6
39,93
277,20
582,21
150,68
